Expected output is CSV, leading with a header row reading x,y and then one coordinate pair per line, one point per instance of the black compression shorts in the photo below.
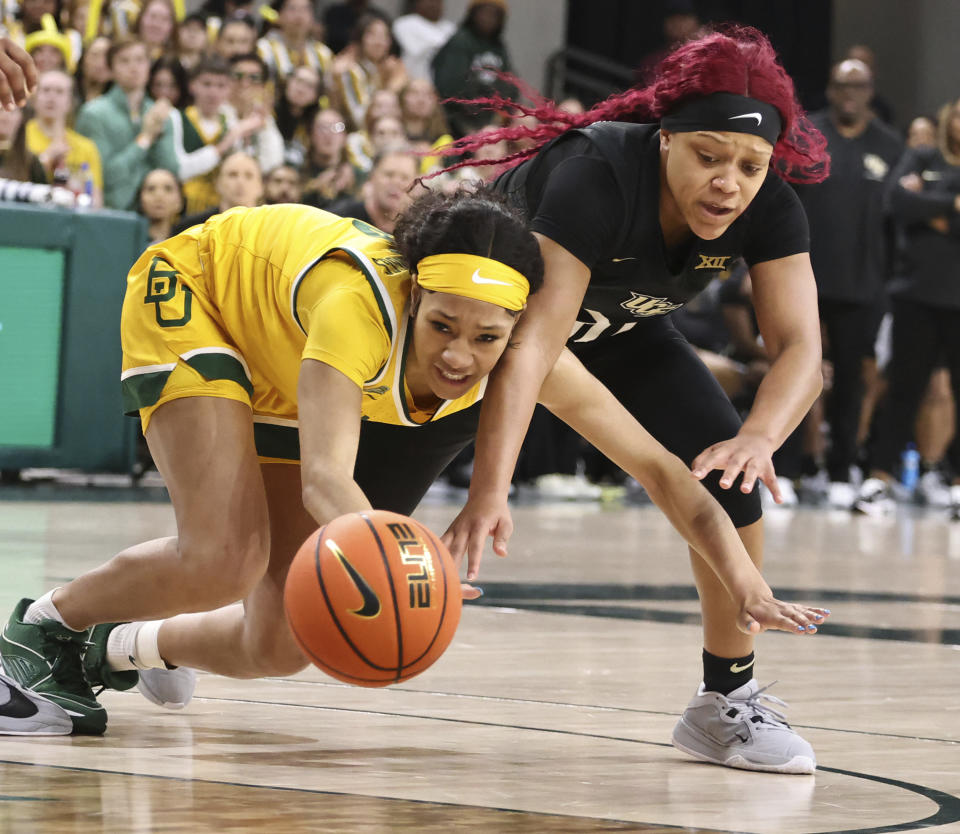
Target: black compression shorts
x,y
659,378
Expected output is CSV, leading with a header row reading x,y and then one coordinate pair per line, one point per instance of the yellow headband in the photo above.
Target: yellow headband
x,y
474,277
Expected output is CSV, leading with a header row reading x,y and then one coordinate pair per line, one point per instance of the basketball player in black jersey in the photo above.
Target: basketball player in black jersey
x,y
633,220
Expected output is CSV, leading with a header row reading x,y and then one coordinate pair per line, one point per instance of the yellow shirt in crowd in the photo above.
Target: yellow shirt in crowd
x,y
82,150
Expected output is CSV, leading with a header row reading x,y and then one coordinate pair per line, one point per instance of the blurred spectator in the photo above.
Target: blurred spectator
x,y
680,23
49,48
250,98
423,119
386,193
420,33
297,106
239,183
16,161
878,104
340,20
925,292
70,160
94,74
922,133
218,12
292,44
160,200
192,34
283,185
128,127
329,174
237,36
571,105
30,17
360,150
850,249
468,65
156,26
365,67
206,131
168,79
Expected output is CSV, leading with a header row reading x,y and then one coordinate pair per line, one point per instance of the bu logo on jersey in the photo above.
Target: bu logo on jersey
x,y
162,289
648,305
712,261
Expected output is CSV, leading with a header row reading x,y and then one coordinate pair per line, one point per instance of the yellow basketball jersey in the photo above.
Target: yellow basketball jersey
x,y
274,285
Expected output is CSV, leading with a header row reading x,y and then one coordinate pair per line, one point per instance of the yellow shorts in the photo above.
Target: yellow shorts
x,y
175,345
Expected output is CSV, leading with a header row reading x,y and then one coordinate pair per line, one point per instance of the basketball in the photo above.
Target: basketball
x,y
373,598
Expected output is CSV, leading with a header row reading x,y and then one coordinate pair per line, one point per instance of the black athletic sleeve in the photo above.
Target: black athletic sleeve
x,y
581,208
778,224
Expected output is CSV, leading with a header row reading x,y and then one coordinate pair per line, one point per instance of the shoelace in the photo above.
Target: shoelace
x,y
67,668
763,711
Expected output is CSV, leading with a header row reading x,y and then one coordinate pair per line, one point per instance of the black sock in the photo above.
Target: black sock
x,y
724,674
808,466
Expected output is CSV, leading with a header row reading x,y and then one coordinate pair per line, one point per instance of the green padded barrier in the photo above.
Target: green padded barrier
x,y
62,278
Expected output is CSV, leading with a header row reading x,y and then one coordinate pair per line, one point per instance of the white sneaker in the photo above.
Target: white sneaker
x,y
787,492
814,488
567,488
875,498
841,494
168,688
932,490
955,503
736,730
25,713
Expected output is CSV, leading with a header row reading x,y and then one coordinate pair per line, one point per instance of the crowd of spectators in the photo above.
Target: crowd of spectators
x,y
316,103
179,113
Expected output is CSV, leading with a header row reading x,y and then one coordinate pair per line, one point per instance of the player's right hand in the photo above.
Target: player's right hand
x,y
18,75
467,533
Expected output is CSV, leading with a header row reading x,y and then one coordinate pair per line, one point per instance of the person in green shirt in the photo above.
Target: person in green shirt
x,y
130,130
469,65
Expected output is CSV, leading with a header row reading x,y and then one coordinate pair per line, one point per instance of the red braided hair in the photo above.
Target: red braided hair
x,y
736,59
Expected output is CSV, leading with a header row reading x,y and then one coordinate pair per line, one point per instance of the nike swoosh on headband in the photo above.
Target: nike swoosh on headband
x,y
477,278
756,116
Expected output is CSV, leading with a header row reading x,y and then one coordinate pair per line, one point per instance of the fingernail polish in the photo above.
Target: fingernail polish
x,y
811,628
479,589
818,616
800,628
827,610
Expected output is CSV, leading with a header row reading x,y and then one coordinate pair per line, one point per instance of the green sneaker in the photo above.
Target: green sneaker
x,y
46,657
95,667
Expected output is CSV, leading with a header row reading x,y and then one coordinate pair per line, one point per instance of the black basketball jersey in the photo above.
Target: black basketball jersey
x,y
596,192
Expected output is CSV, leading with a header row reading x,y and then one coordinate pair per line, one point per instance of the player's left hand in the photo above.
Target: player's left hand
x,y
766,613
751,454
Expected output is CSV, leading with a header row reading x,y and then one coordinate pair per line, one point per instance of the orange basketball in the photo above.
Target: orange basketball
x,y
373,598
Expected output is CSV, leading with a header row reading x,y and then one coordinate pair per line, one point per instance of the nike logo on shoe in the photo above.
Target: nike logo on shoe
x,y
756,116
19,705
737,669
477,278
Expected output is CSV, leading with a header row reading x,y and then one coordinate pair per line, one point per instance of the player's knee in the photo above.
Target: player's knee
x,y
225,571
277,656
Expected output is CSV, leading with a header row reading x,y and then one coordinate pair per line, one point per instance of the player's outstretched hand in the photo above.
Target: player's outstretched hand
x,y
764,613
467,535
18,75
751,454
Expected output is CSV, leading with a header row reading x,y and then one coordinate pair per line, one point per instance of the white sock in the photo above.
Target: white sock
x,y
44,609
134,646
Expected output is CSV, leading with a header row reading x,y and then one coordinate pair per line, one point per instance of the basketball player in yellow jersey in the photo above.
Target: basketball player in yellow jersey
x,y
271,328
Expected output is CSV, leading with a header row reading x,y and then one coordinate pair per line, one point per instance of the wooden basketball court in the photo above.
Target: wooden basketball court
x,y
553,708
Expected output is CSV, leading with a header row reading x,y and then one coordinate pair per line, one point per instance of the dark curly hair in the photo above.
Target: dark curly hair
x,y
469,222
